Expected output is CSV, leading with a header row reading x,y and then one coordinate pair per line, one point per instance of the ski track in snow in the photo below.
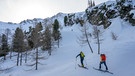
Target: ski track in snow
x,y
119,53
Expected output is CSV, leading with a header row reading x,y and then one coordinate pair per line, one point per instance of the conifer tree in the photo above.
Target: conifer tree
x,y
93,3
39,26
55,29
34,37
4,47
47,40
65,20
56,32
34,42
56,25
18,44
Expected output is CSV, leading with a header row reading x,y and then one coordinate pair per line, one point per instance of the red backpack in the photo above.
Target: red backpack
x,y
103,57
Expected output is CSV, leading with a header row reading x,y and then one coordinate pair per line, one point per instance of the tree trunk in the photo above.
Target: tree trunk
x,y
4,57
36,58
21,59
10,54
90,47
98,42
88,41
26,57
58,42
18,58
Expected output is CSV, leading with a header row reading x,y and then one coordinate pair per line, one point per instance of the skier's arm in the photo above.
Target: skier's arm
x,y
100,58
77,55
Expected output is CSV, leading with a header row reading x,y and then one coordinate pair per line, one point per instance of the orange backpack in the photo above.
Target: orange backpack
x,y
103,57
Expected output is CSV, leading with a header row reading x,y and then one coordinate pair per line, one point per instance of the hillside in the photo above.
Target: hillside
x,y
101,14
120,54
62,62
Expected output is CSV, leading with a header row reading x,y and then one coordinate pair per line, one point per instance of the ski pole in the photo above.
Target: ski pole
x,y
75,62
85,62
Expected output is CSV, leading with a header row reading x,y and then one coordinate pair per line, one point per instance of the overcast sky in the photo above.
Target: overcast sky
x,y
19,10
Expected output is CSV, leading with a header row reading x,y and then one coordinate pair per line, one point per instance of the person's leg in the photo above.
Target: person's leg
x,y
82,62
105,65
100,65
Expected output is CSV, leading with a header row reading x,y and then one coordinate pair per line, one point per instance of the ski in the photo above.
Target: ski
x,y
82,67
105,71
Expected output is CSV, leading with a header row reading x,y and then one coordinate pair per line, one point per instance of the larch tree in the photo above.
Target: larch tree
x,y
35,39
85,38
34,42
47,40
97,33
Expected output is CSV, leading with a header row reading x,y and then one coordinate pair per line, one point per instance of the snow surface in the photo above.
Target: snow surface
x,y
120,55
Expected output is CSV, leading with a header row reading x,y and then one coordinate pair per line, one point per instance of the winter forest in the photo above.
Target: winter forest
x,y
48,47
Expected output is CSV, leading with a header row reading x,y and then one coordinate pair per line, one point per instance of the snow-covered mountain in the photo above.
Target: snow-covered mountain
x,y
101,14
120,52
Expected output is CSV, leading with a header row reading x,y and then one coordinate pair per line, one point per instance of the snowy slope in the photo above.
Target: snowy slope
x,y
120,54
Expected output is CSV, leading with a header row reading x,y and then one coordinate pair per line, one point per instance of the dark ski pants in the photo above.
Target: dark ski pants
x,y
82,62
103,62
